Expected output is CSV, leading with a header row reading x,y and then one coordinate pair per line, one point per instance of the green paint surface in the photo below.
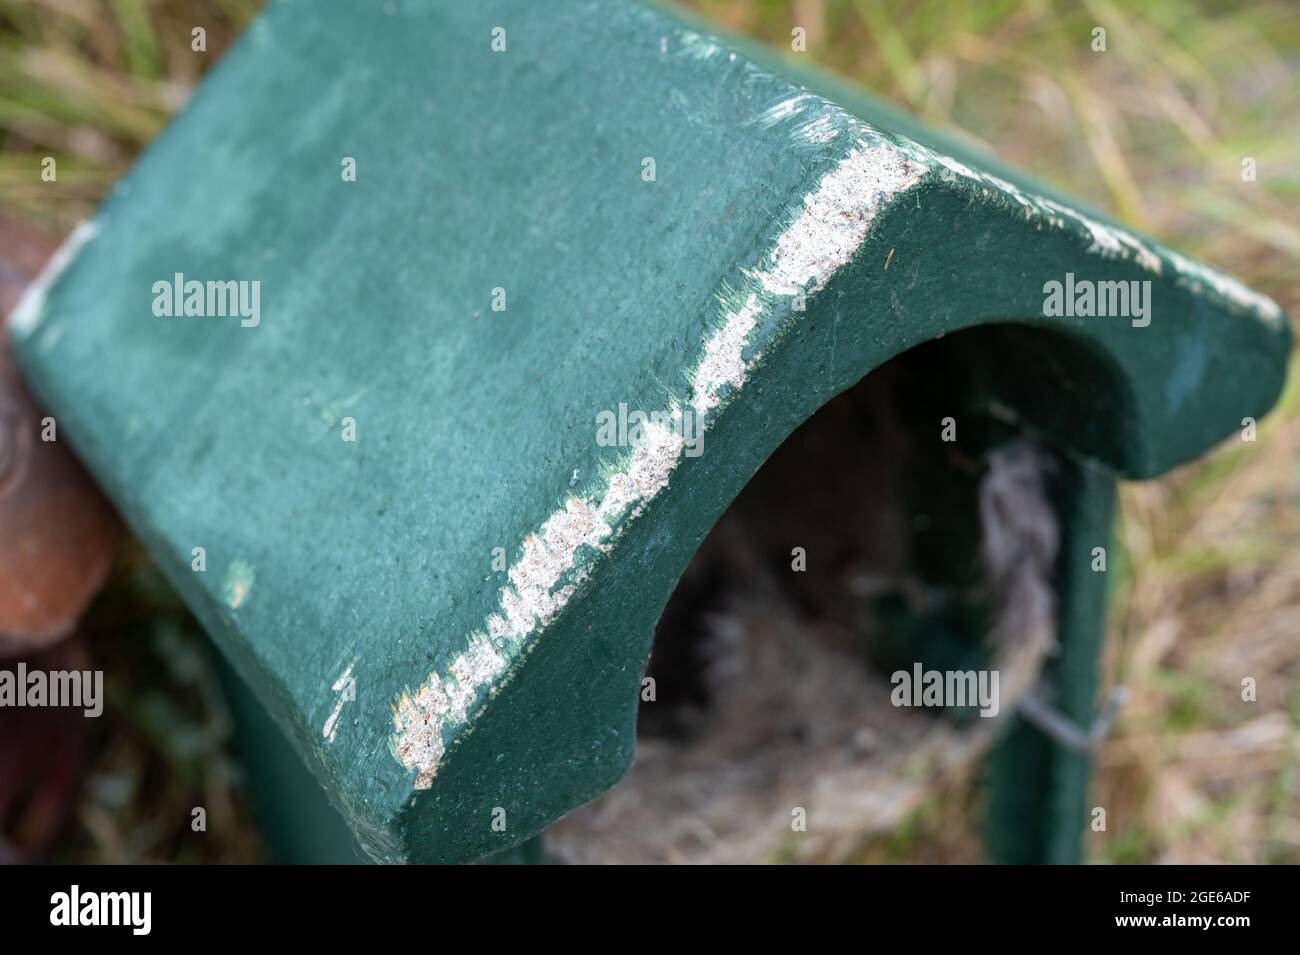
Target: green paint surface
x,y
1037,810
522,170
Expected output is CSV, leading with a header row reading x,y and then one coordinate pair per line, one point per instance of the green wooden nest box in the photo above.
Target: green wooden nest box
x,y
357,348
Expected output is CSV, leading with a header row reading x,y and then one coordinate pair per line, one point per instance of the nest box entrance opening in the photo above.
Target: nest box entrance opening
x,y
903,535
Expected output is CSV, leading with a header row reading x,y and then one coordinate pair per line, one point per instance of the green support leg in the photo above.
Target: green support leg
x,y
298,824
1038,788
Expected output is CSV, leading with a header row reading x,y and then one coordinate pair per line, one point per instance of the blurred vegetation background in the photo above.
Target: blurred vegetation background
x,y
1154,130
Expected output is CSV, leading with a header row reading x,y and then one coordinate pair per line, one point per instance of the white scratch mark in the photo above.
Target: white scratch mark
x,y
830,226
30,310
346,688
1113,242
1108,241
698,46
836,217
721,364
821,130
238,582
816,121
1196,277
783,109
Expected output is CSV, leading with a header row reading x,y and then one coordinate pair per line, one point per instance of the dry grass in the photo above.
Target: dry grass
x,y
1154,129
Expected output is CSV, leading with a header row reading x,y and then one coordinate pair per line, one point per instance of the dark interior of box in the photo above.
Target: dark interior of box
x,y
881,491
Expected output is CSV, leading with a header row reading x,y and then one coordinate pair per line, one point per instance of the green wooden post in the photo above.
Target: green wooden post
x,y
1038,788
292,811
473,229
